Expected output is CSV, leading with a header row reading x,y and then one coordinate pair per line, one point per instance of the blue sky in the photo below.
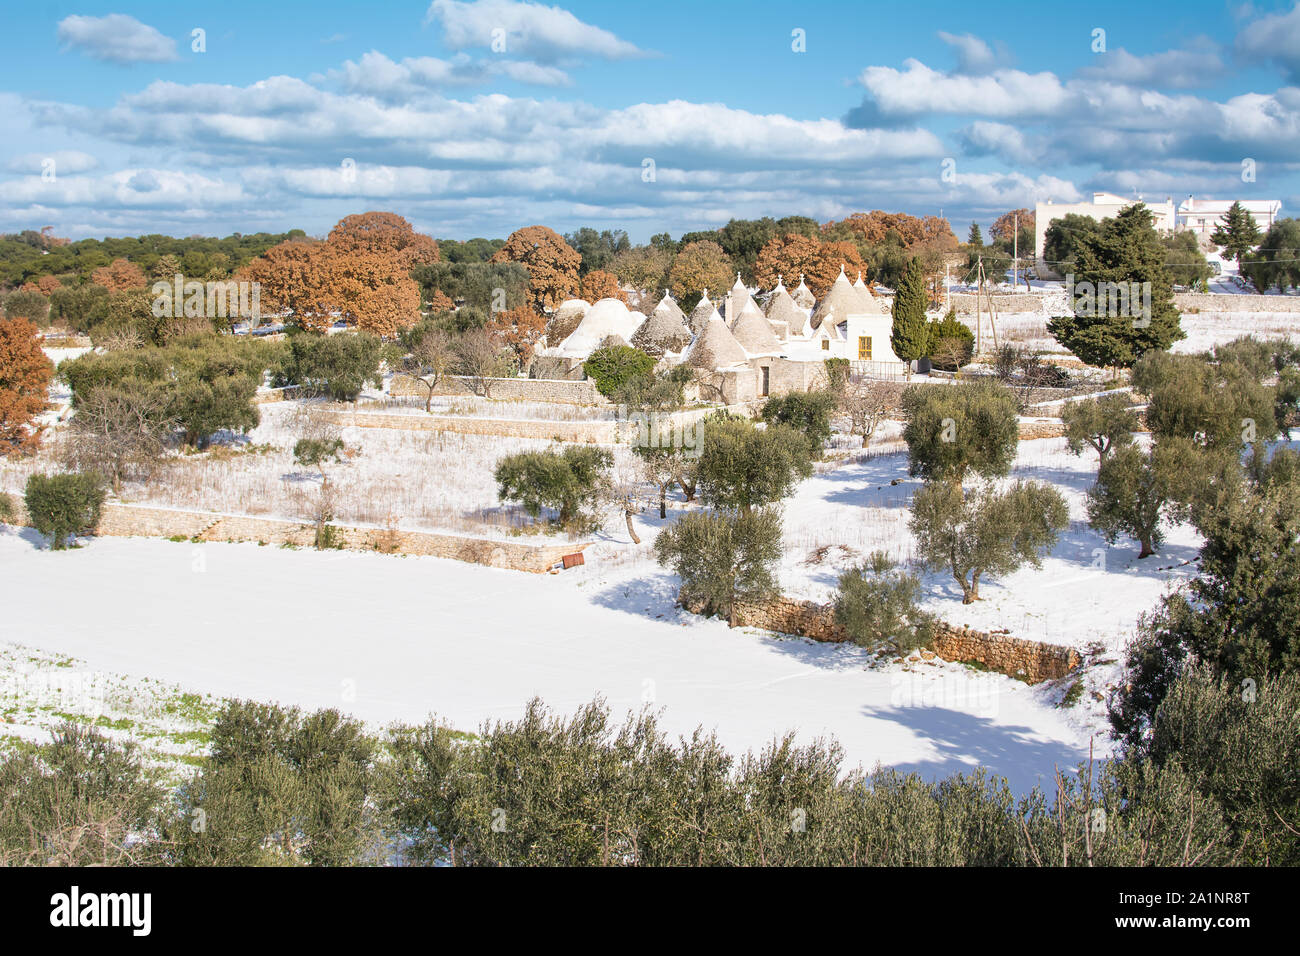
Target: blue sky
x,y
297,114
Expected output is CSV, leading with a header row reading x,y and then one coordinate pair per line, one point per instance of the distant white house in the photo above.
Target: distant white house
x,y
1203,215
1103,206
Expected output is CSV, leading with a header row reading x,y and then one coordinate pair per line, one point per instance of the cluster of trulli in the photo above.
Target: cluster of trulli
x,y
847,322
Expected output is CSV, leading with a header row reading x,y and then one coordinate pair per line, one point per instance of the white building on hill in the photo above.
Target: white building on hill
x,y
1203,215
1103,206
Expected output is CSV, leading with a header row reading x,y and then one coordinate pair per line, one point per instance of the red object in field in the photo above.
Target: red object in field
x,y
572,560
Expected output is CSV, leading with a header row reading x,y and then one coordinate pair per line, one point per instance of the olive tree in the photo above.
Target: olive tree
x,y
723,557
571,482
986,532
877,606
742,466
1104,423
953,430
1136,490
63,506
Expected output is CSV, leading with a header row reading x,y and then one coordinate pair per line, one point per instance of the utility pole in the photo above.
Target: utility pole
x,y
1015,253
947,288
979,289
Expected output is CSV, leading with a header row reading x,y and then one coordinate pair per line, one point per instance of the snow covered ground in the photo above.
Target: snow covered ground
x,y
389,638
1203,329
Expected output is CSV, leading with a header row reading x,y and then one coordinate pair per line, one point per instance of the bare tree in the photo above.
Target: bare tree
x,y
866,403
429,360
479,356
119,431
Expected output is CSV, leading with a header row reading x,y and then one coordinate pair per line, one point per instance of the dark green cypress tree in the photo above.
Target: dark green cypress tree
x,y
910,337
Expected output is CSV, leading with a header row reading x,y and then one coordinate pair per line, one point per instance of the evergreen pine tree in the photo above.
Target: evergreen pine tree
x,y
975,237
1123,256
910,337
1236,233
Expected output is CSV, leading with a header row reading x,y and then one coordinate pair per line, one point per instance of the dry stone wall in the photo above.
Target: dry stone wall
x,y
1031,661
1207,302
121,520
558,391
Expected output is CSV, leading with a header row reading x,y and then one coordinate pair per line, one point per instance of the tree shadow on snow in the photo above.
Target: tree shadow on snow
x,y
967,740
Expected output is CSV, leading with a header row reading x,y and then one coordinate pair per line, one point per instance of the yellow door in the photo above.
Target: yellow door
x,y
864,348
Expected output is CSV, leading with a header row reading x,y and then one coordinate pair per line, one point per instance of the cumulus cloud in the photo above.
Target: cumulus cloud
x,y
116,38
973,54
917,90
65,161
986,138
531,30
1275,38
1177,69
125,189
377,75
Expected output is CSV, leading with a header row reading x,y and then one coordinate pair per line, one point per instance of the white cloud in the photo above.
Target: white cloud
x,y
1275,37
116,38
125,189
1179,69
377,75
986,138
917,90
973,54
64,161
531,30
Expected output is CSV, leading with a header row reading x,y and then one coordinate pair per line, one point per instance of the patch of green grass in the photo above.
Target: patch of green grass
x,y
1073,695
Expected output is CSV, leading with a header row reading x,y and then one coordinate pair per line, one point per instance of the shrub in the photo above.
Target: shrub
x,y
877,606
316,452
337,366
1240,742
280,787
7,509
952,342
80,800
61,506
570,482
613,367
805,412
837,375
723,558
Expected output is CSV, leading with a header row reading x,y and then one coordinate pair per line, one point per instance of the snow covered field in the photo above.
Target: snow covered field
x,y
389,638
1203,329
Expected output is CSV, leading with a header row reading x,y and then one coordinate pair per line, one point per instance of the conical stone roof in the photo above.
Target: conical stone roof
x,y
566,318
664,331
840,301
752,331
738,298
701,313
715,347
669,303
870,304
802,295
781,307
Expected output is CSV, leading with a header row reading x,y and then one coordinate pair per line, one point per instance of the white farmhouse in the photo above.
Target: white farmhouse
x,y
1201,216
1103,206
